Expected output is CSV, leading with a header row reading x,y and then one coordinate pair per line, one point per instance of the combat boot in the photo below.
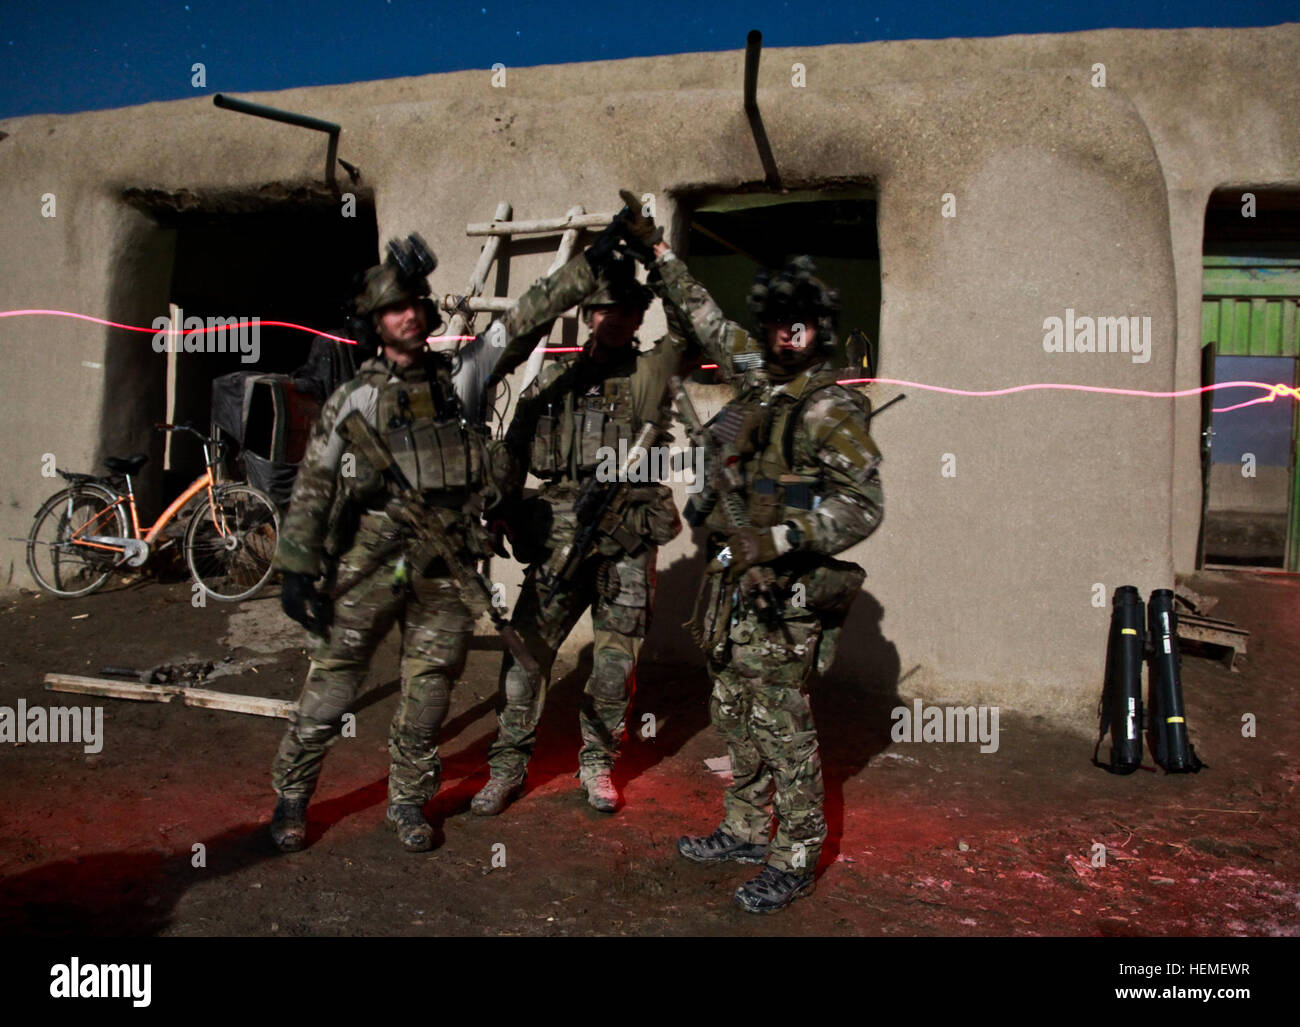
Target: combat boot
x,y
414,832
773,889
289,824
720,847
493,796
601,794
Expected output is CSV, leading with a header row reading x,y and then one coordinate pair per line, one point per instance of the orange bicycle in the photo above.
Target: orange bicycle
x,y
82,534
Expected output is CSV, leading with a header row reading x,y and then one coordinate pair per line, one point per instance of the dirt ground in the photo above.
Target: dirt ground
x,y
925,839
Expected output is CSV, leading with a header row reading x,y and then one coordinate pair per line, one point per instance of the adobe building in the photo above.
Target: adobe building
x,y
961,193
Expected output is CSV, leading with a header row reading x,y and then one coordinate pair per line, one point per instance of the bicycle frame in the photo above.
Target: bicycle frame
x,y
203,482
199,484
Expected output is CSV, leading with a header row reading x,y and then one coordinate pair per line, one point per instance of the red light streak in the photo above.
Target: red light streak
x,y
1272,391
210,328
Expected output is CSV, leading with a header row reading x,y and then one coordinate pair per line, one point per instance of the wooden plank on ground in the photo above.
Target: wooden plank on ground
x,y
1209,631
205,698
113,689
254,704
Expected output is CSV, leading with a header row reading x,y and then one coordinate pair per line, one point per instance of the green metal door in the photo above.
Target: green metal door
x,y
1250,306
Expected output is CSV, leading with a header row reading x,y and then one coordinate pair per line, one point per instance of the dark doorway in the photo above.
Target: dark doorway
x,y
728,236
284,259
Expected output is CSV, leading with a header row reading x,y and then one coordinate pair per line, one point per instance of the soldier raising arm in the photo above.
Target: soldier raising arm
x,y
773,600
577,417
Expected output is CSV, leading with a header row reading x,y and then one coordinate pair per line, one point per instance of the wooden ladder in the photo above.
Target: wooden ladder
x,y
569,227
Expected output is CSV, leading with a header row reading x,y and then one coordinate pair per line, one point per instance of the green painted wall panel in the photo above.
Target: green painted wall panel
x,y
1249,306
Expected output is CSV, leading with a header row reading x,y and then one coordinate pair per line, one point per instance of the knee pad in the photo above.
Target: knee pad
x,y
610,672
425,705
520,686
324,704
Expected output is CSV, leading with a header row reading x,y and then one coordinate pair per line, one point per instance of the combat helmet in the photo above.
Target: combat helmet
x,y
383,286
401,278
782,297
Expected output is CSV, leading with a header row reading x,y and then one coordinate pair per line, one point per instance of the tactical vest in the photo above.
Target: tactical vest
x,y
777,483
422,424
575,431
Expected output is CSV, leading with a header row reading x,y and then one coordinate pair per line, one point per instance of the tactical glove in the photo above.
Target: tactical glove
x,y
526,523
601,252
301,602
640,232
499,530
750,547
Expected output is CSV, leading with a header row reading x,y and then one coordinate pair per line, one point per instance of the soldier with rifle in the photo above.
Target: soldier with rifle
x,y
791,480
384,528
589,539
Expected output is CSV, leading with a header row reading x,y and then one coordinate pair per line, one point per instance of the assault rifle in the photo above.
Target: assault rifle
x,y
599,510
723,484
420,524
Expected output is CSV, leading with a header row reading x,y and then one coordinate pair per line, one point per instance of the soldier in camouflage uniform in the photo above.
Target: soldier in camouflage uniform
x,y
565,424
336,524
773,599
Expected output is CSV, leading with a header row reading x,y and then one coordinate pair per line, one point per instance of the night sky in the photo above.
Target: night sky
x,y
61,56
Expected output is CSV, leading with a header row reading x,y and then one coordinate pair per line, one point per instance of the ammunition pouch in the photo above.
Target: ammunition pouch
x,y
597,433
581,434
589,437
711,618
544,454
436,455
829,585
420,423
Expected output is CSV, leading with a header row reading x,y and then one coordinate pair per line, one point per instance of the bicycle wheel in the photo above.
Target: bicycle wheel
x,y
59,563
230,542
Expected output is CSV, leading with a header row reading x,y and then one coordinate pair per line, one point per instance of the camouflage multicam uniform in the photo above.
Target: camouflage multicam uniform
x,y
808,462
562,425
337,513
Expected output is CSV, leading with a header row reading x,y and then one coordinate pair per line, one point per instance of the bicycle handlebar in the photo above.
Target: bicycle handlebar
x,y
164,426
218,447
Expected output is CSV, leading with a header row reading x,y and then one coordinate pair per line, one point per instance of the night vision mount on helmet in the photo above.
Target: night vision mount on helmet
x,y
792,294
402,277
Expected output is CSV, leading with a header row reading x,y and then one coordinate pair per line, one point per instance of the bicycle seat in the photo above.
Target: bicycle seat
x,y
128,464
76,478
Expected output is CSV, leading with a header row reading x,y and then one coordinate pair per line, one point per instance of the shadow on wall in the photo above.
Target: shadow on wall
x,y
135,377
851,706
668,641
